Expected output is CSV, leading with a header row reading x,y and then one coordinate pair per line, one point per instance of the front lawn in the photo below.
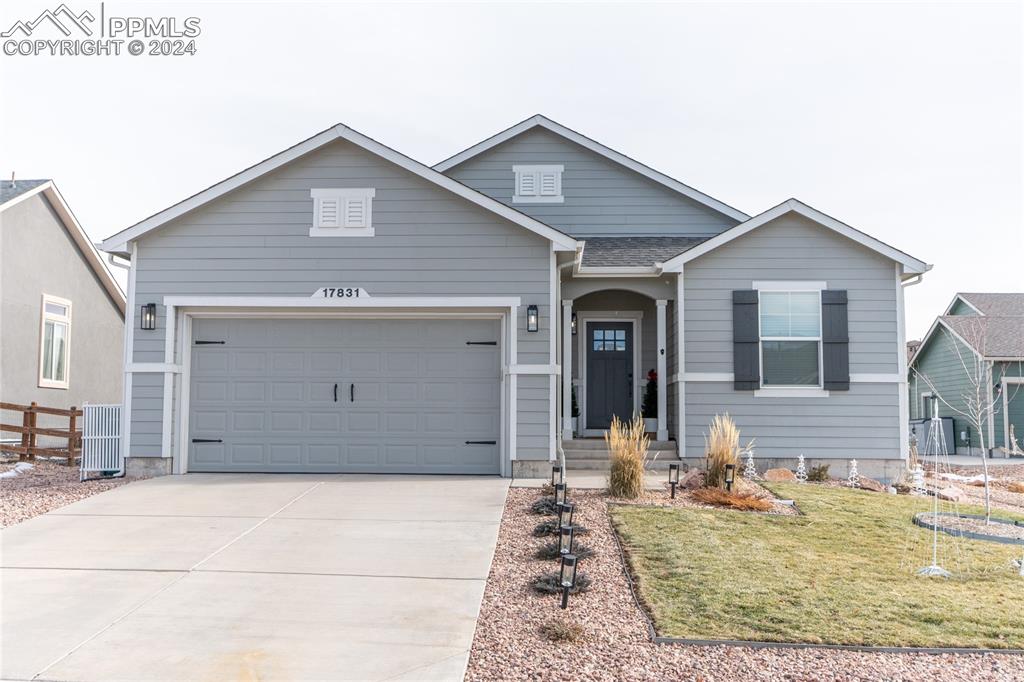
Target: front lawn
x,y
843,573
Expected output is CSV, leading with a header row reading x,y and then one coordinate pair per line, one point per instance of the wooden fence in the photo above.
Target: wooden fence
x,y
29,432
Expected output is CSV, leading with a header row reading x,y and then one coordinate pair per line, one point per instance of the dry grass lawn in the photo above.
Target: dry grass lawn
x,y
843,573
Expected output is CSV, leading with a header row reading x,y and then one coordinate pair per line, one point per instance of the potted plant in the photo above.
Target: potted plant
x,y
649,409
575,413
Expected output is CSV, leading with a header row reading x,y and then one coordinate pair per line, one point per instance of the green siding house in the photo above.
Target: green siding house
x,y
972,359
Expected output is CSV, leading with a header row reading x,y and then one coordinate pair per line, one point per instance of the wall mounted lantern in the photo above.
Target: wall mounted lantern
x,y
148,319
532,318
574,324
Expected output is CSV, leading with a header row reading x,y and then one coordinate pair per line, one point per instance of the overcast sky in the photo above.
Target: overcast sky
x,y
903,120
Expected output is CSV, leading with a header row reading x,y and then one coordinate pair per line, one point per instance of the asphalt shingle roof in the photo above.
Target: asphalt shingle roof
x,y
992,336
9,189
634,251
997,305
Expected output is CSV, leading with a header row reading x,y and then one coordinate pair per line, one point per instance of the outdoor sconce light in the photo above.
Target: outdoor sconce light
x,y
730,476
567,577
565,537
556,475
566,512
532,318
560,491
574,324
148,319
673,478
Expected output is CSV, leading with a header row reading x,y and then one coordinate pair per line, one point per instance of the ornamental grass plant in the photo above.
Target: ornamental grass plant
x,y
627,448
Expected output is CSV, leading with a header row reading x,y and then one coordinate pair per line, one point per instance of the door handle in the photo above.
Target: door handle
x,y
351,393
335,392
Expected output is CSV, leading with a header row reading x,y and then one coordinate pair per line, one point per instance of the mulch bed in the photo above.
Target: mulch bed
x,y
614,643
48,485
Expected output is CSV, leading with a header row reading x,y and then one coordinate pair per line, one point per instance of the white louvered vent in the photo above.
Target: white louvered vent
x,y
342,212
538,184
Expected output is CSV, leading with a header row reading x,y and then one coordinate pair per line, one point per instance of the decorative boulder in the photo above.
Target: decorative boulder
x,y
950,494
776,475
871,484
692,479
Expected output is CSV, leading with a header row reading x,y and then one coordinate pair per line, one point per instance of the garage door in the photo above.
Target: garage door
x,y
367,396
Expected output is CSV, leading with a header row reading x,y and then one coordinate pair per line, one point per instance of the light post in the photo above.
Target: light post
x,y
730,476
567,577
673,478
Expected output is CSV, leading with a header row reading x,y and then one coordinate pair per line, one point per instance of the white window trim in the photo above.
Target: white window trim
x,y
924,411
44,317
797,391
520,169
366,194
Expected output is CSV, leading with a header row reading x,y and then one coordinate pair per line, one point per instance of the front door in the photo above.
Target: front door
x,y
609,372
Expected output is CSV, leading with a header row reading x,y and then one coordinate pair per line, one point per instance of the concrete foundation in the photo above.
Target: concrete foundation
x,y
147,467
882,470
531,468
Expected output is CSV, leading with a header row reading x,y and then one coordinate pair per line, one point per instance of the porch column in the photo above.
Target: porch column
x,y
662,374
567,370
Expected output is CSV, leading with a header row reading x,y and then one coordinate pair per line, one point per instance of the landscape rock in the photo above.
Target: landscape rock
x,y
692,479
871,484
950,494
777,475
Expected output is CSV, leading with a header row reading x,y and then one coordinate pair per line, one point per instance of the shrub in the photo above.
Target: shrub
x,y
649,408
550,551
743,501
722,447
627,447
561,631
545,506
551,528
818,474
548,583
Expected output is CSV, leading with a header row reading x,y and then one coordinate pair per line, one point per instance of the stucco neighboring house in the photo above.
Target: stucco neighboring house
x,y
61,311
340,306
986,328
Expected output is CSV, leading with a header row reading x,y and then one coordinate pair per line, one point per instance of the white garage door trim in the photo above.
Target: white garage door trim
x,y
183,309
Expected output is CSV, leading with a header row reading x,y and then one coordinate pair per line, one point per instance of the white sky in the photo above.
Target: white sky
x,y
903,120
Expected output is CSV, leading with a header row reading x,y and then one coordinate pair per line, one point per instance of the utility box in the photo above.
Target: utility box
x,y
919,429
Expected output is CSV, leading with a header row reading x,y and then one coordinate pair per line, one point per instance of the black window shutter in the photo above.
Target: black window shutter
x,y
746,366
835,341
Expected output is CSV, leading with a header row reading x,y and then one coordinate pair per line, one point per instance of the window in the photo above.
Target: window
x,y
54,342
538,185
342,212
790,338
609,339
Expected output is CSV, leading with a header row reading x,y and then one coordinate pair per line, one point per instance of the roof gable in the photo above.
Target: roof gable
x,y
118,243
911,265
594,146
996,304
92,257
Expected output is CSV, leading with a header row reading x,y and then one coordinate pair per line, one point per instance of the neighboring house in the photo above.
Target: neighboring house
x,y
976,328
342,307
61,311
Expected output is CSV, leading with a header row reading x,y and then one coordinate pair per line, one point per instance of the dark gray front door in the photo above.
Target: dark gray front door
x,y
609,372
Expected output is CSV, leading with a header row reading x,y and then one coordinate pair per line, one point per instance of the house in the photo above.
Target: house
x,y
975,348
340,306
62,313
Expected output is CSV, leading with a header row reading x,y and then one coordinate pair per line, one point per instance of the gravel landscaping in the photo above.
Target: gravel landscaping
x,y
43,487
603,635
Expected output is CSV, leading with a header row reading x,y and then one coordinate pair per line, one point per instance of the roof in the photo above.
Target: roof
x,y
1002,305
911,265
601,252
9,189
85,246
594,146
989,336
118,243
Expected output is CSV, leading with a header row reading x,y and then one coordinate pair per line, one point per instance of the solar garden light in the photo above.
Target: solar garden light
x,y
673,478
556,475
567,577
730,476
565,514
565,538
560,493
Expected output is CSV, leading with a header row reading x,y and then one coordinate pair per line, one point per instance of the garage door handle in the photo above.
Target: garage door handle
x,y
481,442
351,393
207,440
335,392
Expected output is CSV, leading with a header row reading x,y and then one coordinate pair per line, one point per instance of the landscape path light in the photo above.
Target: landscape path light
x,y
566,512
673,478
560,493
730,476
565,538
567,577
556,475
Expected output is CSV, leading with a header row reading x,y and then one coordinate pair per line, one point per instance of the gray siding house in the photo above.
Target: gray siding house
x,y
342,307
973,355
61,311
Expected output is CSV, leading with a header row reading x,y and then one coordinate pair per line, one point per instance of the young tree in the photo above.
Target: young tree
x,y
983,396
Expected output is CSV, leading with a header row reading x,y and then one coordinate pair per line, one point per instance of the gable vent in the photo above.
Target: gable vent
x,y
355,213
329,210
538,184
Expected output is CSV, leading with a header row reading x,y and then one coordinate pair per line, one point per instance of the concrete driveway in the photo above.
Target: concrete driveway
x,y
251,577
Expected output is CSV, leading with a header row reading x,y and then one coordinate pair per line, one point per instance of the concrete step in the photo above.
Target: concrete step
x,y
599,444
660,464
603,454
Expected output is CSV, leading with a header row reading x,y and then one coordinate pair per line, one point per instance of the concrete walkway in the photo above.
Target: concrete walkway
x,y
269,577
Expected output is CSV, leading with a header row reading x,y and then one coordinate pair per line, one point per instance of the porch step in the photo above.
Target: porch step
x,y
592,455
601,464
599,444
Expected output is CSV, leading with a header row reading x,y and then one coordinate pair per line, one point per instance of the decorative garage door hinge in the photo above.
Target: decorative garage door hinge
x,y
207,440
209,343
481,343
481,442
